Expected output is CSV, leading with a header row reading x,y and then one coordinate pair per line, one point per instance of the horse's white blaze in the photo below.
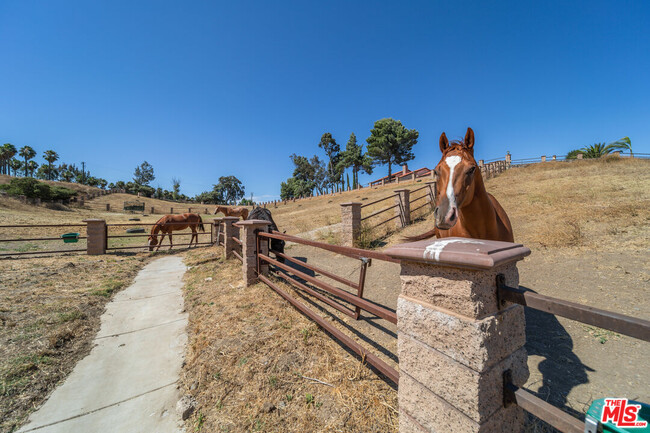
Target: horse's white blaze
x,y
452,162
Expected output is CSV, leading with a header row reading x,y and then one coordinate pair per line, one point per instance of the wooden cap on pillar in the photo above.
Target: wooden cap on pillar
x,y
460,252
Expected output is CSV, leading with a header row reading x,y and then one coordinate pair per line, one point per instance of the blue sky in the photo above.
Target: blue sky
x,y
206,89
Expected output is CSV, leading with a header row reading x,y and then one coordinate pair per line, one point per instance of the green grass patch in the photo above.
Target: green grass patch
x,y
107,288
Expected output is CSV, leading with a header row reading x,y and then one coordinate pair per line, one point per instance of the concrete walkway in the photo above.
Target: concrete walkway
x,y
128,381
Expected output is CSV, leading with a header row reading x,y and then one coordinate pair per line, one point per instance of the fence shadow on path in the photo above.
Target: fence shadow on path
x,y
561,368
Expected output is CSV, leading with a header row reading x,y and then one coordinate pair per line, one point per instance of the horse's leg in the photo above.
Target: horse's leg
x,y
160,243
171,244
194,237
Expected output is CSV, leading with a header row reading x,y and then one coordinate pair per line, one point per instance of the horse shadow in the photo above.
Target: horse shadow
x,y
561,368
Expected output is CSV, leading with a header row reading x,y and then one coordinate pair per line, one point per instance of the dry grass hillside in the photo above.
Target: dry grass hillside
x,y
4,179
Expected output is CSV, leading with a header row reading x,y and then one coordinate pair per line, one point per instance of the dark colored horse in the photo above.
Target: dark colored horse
x,y
170,223
260,213
463,207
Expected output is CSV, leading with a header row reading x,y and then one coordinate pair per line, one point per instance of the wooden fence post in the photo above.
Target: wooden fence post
x,y
454,341
96,236
152,211
431,196
403,208
249,229
350,223
108,207
171,210
216,230
229,230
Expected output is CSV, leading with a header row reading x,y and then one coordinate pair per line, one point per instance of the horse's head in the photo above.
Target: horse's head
x,y
153,241
457,173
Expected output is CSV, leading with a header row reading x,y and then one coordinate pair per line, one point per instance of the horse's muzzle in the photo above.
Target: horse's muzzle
x,y
447,220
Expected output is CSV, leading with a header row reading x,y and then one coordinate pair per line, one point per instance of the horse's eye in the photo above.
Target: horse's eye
x,y
471,171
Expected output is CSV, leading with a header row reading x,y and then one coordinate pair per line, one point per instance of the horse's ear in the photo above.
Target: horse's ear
x,y
444,143
469,139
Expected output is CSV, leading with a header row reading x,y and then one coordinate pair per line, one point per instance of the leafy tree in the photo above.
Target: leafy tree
x,y
44,172
15,165
27,153
332,150
354,157
50,156
391,143
229,189
102,183
143,174
294,188
176,187
32,188
246,202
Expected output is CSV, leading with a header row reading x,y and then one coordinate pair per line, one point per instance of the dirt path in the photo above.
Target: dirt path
x,y
128,382
571,364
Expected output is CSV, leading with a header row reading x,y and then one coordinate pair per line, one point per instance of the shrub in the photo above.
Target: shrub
x,y
32,188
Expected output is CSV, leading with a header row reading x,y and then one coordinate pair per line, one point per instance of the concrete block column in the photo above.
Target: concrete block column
x,y
96,232
350,223
543,158
229,230
403,208
454,341
249,230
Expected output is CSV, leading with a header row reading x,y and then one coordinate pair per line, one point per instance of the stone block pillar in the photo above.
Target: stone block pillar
x,y
350,223
431,194
579,156
543,158
403,208
454,341
249,230
81,200
508,160
96,232
229,230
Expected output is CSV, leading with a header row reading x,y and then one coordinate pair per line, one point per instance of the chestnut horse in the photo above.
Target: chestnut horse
x,y
463,207
170,223
232,211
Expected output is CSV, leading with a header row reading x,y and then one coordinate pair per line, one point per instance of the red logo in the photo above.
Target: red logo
x,y
622,414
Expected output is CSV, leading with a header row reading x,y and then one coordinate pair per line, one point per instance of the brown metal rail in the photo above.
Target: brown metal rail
x,y
37,239
356,253
329,301
419,198
420,207
164,246
631,326
42,225
236,239
379,212
377,201
373,360
42,252
355,300
317,269
151,224
385,221
159,234
538,407
419,189
236,254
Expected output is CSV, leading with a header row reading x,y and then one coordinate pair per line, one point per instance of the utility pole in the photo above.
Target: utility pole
x,y
83,173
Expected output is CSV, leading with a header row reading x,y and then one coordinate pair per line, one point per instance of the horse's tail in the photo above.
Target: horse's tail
x,y
423,236
201,223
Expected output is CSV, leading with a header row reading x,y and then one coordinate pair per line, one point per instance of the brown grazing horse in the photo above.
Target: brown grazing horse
x,y
170,223
463,207
232,211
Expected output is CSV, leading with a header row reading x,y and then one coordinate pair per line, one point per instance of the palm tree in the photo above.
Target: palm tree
x,y
15,165
597,150
28,153
7,151
50,156
67,175
623,144
31,167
